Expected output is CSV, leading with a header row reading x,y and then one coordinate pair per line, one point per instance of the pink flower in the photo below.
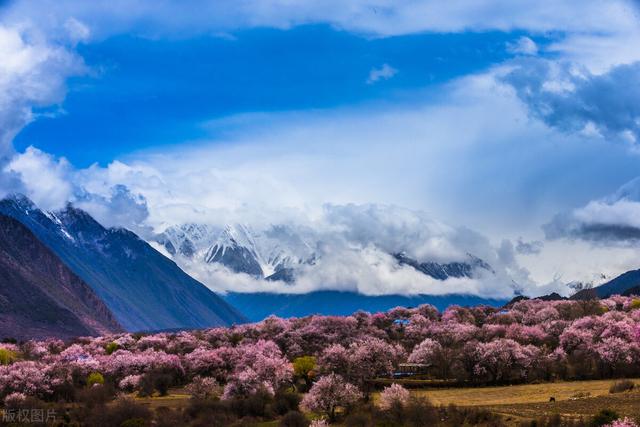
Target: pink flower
x,y
330,393
203,387
14,399
130,382
625,422
425,352
393,395
246,383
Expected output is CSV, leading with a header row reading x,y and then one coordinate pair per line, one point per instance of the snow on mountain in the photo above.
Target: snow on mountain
x,y
187,239
279,252
238,247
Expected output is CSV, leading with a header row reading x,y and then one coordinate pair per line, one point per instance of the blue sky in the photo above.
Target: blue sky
x,y
146,93
519,120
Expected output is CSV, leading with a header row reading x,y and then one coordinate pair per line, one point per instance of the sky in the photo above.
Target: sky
x,y
517,123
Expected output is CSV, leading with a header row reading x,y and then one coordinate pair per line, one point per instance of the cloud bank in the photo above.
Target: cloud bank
x,y
611,220
351,248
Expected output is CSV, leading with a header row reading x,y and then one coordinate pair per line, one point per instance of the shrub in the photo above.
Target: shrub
x,y
330,393
626,422
359,418
162,383
203,388
154,381
553,421
134,422
7,356
294,419
419,412
212,413
286,401
304,368
125,412
394,395
604,417
111,347
14,400
95,396
255,405
621,386
130,382
166,417
95,378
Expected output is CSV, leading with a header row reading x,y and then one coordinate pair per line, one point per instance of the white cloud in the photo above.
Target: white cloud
x,y
286,172
524,45
385,72
77,31
44,179
613,220
372,17
32,74
353,247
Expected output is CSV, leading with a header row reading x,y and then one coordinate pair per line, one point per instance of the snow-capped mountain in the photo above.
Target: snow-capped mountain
x,y
443,271
270,254
187,239
277,252
236,248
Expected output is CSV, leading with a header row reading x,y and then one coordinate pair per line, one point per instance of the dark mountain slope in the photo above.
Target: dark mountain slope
x,y
144,289
39,296
617,286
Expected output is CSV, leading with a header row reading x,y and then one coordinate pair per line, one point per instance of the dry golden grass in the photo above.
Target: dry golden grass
x,y
177,398
528,393
530,401
515,403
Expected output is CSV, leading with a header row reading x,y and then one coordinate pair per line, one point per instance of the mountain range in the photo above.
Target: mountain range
x,y
277,252
63,274
281,253
143,289
272,254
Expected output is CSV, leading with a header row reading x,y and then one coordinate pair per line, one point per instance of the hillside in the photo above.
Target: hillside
x,y
144,289
39,296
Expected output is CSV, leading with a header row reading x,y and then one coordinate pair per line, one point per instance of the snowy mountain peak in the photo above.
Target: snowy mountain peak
x,y
187,239
239,247
21,201
283,252
235,236
236,249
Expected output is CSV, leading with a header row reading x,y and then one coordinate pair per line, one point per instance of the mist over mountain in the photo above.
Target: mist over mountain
x,y
394,258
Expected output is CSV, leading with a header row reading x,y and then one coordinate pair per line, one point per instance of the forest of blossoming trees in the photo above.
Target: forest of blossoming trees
x,y
328,363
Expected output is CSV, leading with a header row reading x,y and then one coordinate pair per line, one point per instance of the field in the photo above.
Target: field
x,y
521,402
516,403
